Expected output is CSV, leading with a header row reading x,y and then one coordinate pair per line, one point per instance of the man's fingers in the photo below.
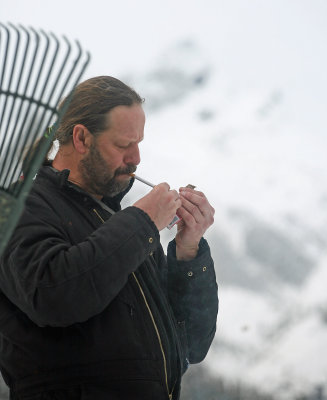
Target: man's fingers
x,y
186,216
162,186
189,190
196,199
199,201
175,194
192,209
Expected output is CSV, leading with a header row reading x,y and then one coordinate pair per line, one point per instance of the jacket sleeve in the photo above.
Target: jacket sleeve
x,y
56,283
193,295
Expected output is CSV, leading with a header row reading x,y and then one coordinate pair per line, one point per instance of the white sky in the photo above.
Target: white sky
x,y
257,42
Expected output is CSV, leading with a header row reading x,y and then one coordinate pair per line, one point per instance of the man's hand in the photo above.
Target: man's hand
x,y
197,215
160,204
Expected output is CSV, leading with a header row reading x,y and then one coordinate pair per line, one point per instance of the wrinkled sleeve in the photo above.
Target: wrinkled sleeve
x,y
57,283
193,295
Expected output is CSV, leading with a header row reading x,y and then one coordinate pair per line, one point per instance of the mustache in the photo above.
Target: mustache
x,y
127,170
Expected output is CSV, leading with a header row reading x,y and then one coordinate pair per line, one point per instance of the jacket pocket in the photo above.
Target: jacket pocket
x,y
137,324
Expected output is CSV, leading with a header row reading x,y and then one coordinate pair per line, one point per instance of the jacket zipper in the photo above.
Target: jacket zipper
x,y
157,332
153,322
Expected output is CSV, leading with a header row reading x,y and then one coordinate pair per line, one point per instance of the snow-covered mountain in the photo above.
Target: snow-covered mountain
x,y
265,175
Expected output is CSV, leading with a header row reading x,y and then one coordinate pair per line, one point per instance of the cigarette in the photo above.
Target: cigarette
x,y
143,180
152,184
176,217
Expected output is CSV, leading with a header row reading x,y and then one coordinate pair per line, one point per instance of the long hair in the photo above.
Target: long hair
x,y
90,103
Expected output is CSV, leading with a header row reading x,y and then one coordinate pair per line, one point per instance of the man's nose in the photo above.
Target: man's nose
x,y
133,155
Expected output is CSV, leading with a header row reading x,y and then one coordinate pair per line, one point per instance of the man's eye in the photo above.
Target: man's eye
x,y
122,147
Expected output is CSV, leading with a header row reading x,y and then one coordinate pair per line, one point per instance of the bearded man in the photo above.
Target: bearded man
x,y
90,305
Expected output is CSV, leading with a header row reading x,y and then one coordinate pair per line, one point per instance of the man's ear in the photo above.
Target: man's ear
x,y
82,138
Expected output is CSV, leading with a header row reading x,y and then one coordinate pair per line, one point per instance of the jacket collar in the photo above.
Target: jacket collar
x,y
60,179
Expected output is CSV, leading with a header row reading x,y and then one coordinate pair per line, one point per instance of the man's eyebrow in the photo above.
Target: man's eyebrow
x,y
136,141
127,142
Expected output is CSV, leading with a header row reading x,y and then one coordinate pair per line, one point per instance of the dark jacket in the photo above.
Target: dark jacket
x,y
89,298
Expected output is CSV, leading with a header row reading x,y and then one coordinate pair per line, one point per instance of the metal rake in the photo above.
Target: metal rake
x,y
36,69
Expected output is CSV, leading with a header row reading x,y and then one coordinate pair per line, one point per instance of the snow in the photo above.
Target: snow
x,y
261,168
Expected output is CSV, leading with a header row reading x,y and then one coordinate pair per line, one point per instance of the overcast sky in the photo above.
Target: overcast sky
x,y
254,46
258,42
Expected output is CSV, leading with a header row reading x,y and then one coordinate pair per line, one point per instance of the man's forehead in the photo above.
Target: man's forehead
x,y
127,121
122,112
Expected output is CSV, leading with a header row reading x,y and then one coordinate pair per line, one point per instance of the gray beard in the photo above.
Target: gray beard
x,y
98,179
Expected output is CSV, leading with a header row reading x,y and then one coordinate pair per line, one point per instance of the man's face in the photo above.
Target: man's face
x,y
114,154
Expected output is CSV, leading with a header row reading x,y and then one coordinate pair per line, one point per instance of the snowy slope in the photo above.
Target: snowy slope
x,y
265,175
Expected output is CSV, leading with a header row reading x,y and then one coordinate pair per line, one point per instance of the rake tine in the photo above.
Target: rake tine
x,y
82,69
16,99
38,79
28,80
6,53
23,142
37,130
33,95
28,38
73,68
64,84
24,56
9,83
36,69
12,70
18,132
3,74
62,65
15,168
15,57
47,50
26,137
4,69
